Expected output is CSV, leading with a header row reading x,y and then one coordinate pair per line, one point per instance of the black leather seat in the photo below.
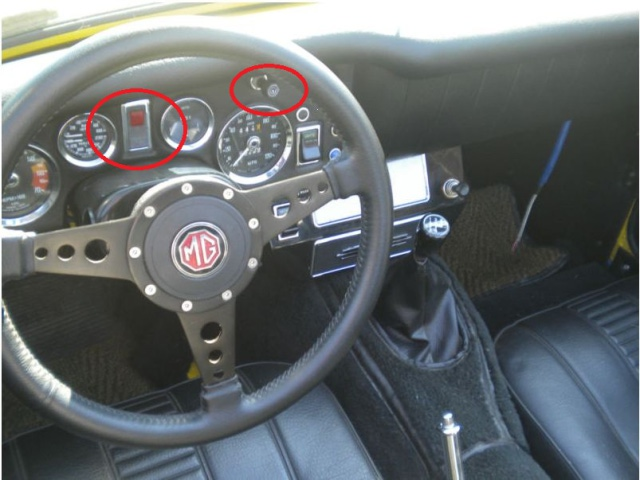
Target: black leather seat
x,y
313,439
573,371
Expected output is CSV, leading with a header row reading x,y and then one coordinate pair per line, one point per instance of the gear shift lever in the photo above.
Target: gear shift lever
x,y
417,308
432,232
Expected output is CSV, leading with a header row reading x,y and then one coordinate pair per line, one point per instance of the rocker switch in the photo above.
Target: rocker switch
x,y
137,130
281,209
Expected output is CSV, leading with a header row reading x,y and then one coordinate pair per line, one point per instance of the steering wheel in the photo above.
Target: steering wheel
x,y
206,207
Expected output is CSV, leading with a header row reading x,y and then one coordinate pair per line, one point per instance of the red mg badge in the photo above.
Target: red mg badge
x,y
198,249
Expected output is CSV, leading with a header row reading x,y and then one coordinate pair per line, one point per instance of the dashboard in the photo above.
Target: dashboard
x,y
95,157
135,130
423,98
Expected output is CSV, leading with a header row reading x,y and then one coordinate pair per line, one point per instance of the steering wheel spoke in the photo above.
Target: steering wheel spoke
x,y
97,250
94,250
212,338
282,204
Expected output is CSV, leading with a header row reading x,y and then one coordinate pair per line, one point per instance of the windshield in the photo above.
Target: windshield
x,y
27,24
44,16
23,17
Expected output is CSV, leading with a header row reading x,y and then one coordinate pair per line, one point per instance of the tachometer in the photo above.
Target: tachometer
x,y
199,124
253,148
32,188
74,145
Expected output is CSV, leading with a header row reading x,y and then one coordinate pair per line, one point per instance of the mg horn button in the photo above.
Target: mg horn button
x,y
199,249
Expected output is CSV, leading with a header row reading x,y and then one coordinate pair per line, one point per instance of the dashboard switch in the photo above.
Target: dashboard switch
x,y
281,209
136,118
308,144
304,195
454,188
289,234
137,130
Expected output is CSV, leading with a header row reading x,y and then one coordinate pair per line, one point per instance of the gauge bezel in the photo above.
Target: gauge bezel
x,y
53,196
263,177
199,143
97,160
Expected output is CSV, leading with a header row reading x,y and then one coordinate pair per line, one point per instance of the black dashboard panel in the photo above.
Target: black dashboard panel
x,y
72,174
421,94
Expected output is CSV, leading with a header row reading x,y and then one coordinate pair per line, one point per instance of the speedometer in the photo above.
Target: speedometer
x,y
253,148
32,188
74,144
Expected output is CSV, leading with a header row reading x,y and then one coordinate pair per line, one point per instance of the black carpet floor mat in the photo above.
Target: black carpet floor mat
x,y
396,418
478,250
72,326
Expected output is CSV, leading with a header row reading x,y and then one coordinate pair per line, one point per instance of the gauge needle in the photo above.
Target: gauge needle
x,y
235,164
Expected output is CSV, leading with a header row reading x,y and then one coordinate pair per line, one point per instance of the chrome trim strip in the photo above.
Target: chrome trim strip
x,y
355,233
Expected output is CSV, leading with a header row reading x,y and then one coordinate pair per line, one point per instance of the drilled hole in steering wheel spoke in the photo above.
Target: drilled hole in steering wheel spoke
x,y
214,357
96,251
66,252
211,332
41,253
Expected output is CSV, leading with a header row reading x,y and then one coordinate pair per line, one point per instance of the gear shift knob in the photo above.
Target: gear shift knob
x,y
432,231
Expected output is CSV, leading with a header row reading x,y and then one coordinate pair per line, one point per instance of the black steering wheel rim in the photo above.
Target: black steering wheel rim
x,y
363,173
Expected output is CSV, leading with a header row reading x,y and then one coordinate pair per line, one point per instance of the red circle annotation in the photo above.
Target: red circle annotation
x,y
147,91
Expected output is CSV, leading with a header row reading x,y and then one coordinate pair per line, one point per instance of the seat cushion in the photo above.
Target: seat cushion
x,y
312,439
573,372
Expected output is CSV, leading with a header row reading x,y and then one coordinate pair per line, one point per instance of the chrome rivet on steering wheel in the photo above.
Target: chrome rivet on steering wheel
x,y
253,263
149,212
150,290
135,252
254,223
228,194
227,295
187,188
187,306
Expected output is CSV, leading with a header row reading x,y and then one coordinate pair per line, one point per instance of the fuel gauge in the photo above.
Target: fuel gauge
x,y
199,124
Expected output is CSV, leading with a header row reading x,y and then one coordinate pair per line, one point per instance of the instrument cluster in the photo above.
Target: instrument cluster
x,y
247,147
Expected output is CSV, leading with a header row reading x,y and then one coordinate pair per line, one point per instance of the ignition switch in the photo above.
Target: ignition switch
x,y
263,84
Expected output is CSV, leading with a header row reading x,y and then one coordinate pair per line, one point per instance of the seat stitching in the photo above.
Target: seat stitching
x,y
610,341
579,298
198,448
579,383
274,432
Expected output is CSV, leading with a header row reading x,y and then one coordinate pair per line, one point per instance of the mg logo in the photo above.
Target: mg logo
x,y
198,249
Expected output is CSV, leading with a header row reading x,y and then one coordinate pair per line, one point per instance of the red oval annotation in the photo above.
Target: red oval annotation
x,y
292,71
147,91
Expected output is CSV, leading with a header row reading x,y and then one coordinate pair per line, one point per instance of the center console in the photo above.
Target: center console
x,y
420,183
